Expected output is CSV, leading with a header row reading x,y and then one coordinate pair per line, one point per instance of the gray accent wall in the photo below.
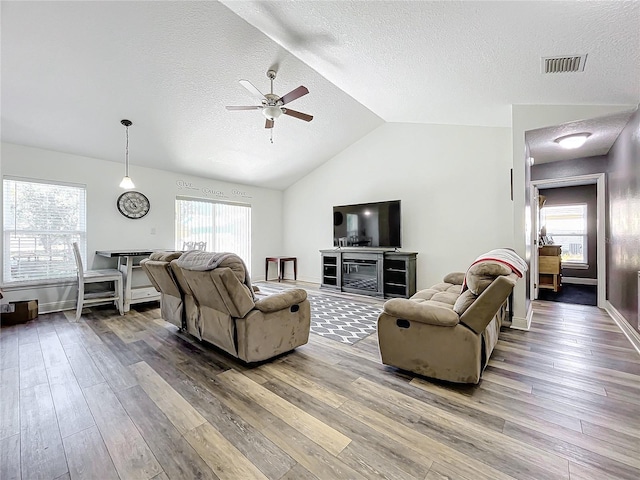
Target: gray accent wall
x,y
623,254
570,168
572,195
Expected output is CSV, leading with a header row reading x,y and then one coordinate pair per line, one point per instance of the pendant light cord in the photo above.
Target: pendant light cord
x,y
126,152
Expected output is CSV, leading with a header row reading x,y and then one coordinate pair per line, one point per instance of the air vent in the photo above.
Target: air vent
x,y
566,64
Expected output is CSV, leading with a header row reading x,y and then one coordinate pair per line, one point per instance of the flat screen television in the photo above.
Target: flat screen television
x,y
367,225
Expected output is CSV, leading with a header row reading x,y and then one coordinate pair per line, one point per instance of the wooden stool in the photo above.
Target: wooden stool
x,y
279,261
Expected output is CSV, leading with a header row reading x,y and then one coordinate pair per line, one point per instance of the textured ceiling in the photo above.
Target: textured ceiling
x,y
604,132
72,70
460,62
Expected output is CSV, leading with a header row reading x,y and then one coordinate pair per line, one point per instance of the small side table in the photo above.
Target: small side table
x,y
279,261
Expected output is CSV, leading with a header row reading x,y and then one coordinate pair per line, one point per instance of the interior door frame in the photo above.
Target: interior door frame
x,y
600,180
535,225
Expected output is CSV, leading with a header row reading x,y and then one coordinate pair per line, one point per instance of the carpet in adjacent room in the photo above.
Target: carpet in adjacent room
x,y
572,293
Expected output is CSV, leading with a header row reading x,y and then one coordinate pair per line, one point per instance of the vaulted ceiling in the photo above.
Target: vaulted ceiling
x,y
72,70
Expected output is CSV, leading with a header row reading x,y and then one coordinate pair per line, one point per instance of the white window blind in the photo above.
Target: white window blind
x,y
40,223
567,225
223,227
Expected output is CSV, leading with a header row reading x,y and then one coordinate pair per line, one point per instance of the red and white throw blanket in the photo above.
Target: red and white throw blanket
x,y
506,256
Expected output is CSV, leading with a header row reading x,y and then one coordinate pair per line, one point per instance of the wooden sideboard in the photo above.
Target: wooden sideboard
x,y
550,267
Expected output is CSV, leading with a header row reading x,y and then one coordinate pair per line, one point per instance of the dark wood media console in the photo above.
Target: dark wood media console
x,y
374,272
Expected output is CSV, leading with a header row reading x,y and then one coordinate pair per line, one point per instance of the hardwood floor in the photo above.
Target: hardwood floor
x,y
130,397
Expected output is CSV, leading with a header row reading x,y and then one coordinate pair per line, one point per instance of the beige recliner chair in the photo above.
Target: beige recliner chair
x,y
229,315
443,333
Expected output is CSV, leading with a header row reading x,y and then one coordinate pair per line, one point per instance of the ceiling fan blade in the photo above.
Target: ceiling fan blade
x,y
293,94
252,89
300,115
269,123
244,108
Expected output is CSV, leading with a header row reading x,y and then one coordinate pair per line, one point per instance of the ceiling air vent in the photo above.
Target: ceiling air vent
x,y
567,63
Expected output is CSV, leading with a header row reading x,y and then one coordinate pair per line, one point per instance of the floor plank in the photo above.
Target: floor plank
x,y
421,443
71,408
183,416
325,436
221,456
371,453
484,445
10,458
41,452
130,453
32,369
84,368
116,374
10,402
88,457
176,457
8,349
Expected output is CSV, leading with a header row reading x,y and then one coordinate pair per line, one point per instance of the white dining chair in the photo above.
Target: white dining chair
x,y
96,276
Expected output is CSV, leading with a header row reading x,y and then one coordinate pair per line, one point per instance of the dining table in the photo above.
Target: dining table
x,y
128,263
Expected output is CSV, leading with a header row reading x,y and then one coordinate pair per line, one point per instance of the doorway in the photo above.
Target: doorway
x,y
580,281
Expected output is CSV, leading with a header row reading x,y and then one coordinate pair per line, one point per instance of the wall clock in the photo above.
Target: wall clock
x,y
133,204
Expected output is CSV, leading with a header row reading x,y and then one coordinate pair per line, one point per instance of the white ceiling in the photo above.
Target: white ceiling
x,y
604,132
72,70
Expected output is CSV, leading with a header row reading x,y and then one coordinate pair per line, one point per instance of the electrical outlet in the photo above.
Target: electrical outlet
x,y
153,230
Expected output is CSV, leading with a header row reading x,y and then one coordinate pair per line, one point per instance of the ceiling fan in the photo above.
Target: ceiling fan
x,y
271,104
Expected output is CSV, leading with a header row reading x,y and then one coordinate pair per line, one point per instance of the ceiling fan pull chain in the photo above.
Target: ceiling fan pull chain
x,y
272,135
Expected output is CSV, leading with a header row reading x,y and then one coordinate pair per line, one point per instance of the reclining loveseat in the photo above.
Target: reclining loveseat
x,y
210,296
448,331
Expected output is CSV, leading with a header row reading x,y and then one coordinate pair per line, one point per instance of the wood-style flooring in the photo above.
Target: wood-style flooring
x,y
131,398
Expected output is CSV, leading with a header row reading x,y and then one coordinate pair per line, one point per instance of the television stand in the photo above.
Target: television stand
x,y
375,272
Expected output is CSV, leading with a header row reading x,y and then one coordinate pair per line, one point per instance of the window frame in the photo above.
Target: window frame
x,y
584,264
79,234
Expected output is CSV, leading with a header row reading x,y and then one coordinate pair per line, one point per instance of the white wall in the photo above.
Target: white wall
x,y
530,117
107,229
453,181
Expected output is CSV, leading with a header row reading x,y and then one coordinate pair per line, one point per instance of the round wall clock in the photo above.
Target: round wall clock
x,y
133,204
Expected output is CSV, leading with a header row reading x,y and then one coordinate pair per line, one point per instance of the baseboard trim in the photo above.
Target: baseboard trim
x,y
580,281
629,332
52,307
520,323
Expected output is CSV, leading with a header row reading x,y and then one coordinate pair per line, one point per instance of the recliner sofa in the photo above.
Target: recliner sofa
x,y
448,331
217,304
158,269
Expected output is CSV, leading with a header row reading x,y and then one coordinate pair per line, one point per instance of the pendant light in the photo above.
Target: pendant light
x,y
126,182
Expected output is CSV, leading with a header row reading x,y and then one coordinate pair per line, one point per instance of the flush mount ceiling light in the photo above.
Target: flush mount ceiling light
x,y
575,140
126,182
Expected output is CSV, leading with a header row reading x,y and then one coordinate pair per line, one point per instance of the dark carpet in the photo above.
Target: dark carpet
x,y
570,293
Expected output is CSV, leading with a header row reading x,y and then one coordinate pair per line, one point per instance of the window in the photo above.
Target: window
x,y
40,223
221,227
567,225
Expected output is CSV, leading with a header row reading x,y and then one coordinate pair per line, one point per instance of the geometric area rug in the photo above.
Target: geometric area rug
x,y
344,320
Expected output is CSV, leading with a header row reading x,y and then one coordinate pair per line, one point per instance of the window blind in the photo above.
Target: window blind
x,y
40,223
567,225
223,227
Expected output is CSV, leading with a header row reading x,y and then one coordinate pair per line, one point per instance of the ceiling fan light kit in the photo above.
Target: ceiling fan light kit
x,y
272,105
271,112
